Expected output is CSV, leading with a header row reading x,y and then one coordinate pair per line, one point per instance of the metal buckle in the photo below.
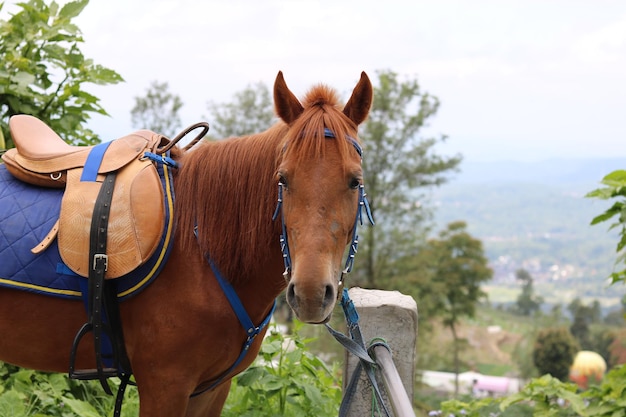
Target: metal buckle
x,y
101,256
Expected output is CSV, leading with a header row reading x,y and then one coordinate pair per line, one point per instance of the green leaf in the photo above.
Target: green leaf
x,y
615,209
73,9
23,78
12,404
82,408
250,375
601,193
615,178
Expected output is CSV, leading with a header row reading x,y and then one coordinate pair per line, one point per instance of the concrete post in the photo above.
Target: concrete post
x,y
392,316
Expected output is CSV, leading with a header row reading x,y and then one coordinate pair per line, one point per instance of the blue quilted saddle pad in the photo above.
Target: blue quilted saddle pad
x,y
28,213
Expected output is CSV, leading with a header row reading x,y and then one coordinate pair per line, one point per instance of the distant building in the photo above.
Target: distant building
x,y
472,383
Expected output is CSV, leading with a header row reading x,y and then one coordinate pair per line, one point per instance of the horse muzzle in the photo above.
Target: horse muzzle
x,y
312,302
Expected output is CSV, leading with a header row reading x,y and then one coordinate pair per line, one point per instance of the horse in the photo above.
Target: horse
x,y
181,334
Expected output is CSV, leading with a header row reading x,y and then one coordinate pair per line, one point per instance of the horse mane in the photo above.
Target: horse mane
x,y
227,190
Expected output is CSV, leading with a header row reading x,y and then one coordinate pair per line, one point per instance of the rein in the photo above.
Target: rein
x,y
354,243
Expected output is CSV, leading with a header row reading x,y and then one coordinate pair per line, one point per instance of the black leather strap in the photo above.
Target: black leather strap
x,y
103,314
99,264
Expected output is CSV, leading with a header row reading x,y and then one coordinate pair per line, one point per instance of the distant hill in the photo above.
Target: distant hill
x,y
550,171
534,216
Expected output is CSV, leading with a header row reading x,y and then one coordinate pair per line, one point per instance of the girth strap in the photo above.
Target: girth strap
x,y
102,305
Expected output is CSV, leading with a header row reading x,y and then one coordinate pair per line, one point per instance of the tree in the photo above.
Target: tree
x,y
527,302
583,317
398,163
454,267
43,70
157,110
251,111
616,317
554,352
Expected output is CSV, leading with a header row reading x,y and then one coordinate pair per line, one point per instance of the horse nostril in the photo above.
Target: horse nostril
x,y
291,294
329,295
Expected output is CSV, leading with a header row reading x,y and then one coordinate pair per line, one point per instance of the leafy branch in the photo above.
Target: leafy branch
x,y
615,188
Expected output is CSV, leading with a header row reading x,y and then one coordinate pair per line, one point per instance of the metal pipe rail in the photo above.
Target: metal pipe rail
x,y
400,402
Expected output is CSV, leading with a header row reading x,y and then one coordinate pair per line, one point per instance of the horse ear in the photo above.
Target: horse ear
x,y
288,107
358,107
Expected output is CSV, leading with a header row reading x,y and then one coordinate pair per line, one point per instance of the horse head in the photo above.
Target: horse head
x,y
321,190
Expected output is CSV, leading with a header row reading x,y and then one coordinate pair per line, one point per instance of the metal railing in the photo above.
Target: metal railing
x,y
400,402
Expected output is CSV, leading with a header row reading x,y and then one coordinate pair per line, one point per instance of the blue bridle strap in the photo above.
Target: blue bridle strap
x,y
329,134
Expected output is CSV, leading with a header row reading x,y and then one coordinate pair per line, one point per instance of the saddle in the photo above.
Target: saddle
x,y
137,213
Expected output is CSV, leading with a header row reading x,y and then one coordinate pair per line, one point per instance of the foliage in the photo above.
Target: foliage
x,y
28,393
286,380
549,397
157,110
251,111
554,352
608,398
615,188
43,70
527,302
398,162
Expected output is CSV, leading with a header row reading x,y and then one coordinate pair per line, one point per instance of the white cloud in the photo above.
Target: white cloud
x,y
520,74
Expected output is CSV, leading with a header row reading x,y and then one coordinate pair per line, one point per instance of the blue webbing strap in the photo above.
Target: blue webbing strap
x,y
161,159
94,159
242,315
234,300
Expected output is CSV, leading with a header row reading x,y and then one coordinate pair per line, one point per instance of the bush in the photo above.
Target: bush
x,y
28,393
554,352
285,380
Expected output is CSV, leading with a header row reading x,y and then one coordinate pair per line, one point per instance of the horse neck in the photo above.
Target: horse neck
x,y
227,191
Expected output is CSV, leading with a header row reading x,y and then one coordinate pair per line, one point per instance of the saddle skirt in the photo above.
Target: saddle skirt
x,y
29,212
137,210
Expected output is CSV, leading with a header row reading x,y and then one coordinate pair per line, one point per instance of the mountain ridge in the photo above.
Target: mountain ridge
x,y
552,171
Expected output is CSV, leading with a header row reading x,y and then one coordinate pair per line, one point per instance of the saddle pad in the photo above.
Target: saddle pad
x,y
27,213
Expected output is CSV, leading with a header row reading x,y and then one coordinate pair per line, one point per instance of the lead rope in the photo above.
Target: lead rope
x,y
355,345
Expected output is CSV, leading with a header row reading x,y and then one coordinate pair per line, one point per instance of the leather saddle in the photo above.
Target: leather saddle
x,y
137,212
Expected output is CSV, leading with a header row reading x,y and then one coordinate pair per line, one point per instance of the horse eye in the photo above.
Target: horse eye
x,y
355,183
282,180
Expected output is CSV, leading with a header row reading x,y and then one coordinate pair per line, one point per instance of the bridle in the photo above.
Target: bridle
x,y
354,243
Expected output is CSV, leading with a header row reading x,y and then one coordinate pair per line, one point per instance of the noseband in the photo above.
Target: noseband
x,y
363,204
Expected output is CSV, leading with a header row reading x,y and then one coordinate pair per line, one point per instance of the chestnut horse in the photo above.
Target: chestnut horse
x,y
181,333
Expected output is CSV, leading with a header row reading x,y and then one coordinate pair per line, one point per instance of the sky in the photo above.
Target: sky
x,y
517,80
